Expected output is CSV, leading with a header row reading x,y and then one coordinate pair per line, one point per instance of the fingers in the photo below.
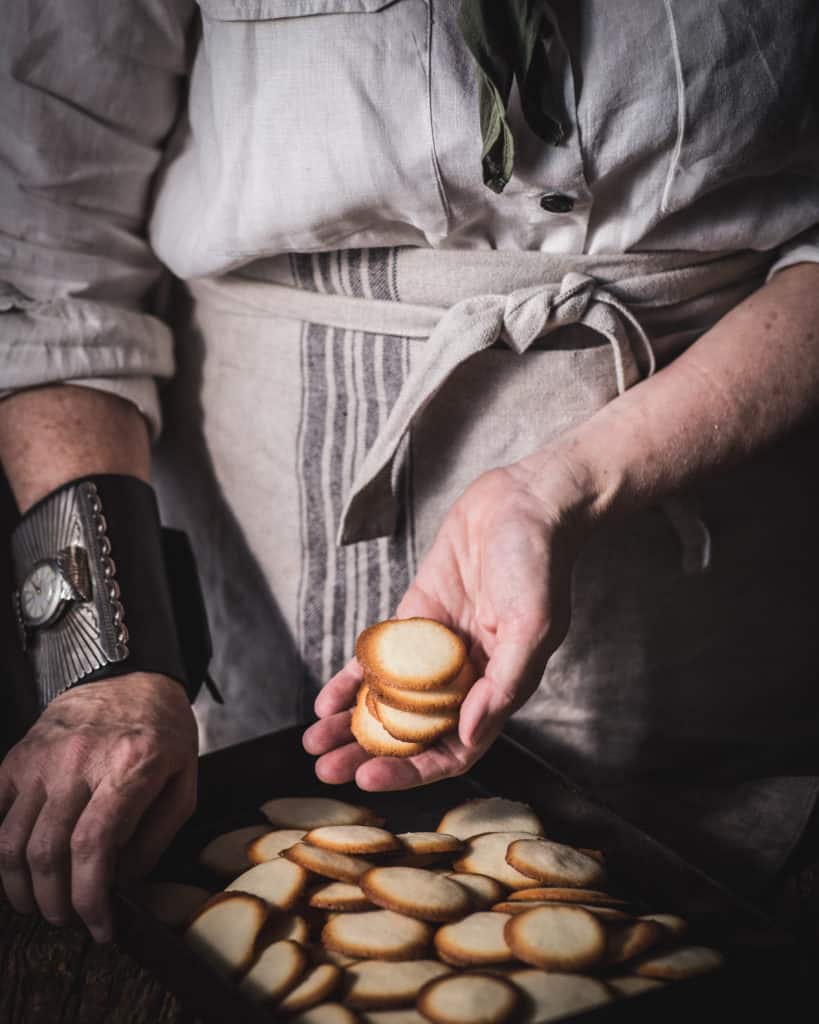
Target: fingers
x,y
105,826
512,674
340,692
328,733
447,758
14,836
49,852
341,764
416,602
158,826
7,794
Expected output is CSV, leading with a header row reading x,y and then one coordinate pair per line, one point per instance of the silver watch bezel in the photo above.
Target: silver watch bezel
x,y
61,599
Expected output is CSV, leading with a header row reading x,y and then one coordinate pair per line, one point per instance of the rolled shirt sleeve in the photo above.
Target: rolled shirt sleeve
x,y
91,91
804,248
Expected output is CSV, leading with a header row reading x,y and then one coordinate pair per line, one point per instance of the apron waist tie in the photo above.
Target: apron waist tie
x,y
471,326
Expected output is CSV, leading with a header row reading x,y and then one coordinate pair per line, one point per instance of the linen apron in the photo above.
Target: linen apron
x,y
329,408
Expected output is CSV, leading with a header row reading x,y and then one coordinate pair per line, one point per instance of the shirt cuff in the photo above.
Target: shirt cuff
x,y
90,344
802,249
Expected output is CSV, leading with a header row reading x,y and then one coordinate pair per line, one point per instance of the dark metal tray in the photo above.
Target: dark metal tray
x,y
759,975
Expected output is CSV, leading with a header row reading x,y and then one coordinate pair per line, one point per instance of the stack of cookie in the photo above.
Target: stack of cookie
x,y
416,674
329,918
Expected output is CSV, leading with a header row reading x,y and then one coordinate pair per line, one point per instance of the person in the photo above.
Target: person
x,y
539,362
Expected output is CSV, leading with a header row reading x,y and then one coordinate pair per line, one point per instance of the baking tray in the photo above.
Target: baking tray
x,y
760,972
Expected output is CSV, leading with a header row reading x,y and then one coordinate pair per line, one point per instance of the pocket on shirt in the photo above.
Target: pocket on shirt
x,y
321,113
746,101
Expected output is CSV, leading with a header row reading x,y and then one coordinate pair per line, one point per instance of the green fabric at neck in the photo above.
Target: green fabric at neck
x,y
506,39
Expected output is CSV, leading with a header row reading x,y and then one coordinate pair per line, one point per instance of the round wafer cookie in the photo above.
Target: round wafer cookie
x,y
226,855
633,984
675,925
315,987
225,931
270,845
365,839
508,907
614,914
597,854
376,935
486,855
306,812
339,896
278,882
433,844
372,703
326,1013
415,653
555,863
559,894
483,890
281,925
430,861
557,937
275,972
441,700
606,913
384,985
475,940
172,903
549,996
417,893
412,726
473,998
491,814
343,867
677,964
625,941
408,1015
329,956
373,737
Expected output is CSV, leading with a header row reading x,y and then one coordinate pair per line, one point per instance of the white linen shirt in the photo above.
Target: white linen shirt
x,y
157,132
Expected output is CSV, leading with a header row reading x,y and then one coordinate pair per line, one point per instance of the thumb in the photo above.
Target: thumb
x,y
512,675
417,603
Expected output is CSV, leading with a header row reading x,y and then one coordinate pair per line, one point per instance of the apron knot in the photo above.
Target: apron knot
x,y
471,326
531,313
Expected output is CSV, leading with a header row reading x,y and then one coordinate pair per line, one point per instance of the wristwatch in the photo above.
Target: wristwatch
x,y
67,599
52,586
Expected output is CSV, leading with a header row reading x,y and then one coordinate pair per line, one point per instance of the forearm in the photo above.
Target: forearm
x,y
740,387
54,434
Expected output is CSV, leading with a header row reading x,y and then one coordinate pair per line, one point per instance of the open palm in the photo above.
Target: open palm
x,y
499,574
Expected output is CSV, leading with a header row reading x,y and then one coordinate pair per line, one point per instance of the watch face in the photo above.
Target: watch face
x,y
41,595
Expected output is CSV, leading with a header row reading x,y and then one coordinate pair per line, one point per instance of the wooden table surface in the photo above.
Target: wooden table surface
x,y
60,976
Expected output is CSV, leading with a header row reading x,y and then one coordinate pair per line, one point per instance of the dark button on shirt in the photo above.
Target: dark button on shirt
x,y
556,202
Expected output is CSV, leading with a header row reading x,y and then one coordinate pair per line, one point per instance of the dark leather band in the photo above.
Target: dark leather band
x,y
164,611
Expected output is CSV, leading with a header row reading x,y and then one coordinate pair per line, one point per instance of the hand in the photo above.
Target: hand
x,y
499,573
95,790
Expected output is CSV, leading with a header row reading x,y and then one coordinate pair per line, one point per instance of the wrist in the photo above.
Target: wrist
x,y
573,482
131,691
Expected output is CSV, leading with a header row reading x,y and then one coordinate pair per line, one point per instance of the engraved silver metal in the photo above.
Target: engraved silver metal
x,y
89,633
